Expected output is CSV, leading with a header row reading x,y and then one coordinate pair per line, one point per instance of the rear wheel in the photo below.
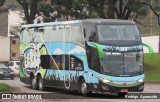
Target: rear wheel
x,y
40,83
34,83
1,78
12,78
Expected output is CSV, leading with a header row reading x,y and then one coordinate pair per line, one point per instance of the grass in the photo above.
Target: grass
x,y
152,68
4,87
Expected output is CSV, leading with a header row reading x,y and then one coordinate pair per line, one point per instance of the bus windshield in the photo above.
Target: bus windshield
x,y
118,32
122,63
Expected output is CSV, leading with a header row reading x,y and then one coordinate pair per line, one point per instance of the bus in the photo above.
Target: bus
x,y
89,55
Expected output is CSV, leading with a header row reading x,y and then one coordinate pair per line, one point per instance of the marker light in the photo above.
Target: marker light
x,y
141,80
105,80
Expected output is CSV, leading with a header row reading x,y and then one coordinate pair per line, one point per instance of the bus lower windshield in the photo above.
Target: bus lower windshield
x,y
122,63
118,32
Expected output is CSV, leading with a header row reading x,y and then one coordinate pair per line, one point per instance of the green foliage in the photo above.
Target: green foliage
x,y
151,67
156,6
120,9
2,2
13,5
48,11
4,87
139,9
30,9
75,9
97,8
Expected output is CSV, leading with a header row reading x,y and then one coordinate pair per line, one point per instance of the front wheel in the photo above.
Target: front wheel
x,y
122,94
40,84
83,88
12,78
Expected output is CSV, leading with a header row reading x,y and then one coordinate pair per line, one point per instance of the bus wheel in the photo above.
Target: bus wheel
x,y
40,83
34,83
83,88
122,94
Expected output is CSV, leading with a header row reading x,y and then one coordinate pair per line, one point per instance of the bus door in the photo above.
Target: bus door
x,y
66,57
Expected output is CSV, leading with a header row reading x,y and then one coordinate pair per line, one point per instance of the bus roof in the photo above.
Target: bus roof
x,y
107,21
50,23
92,21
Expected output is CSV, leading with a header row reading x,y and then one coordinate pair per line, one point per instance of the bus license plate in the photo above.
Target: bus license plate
x,y
124,90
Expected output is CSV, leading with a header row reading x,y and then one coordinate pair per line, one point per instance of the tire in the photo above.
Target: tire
x,y
83,88
40,84
122,94
34,83
1,78
12,78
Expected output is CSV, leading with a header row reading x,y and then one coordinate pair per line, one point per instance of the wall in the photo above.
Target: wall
x,y
14,22
14,55
4,49
153,41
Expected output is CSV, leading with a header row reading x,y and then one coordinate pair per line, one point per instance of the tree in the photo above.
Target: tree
x,y
30,9
71,9
120,9
98,6
154,6
2,2
1,5
47,11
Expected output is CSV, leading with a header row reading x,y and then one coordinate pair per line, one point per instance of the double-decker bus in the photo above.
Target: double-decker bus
x,y
90,55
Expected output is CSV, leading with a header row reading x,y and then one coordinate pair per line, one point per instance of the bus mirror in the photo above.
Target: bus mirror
x,y
137,57
151,52
100,50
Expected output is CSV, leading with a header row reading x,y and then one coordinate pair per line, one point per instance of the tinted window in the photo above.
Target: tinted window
x,y
61,62
67,33
118,32
17,63
45,61
3,66
11,64
89,32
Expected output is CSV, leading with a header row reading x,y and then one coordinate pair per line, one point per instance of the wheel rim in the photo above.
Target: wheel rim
x,y
40,84
84,88
33,82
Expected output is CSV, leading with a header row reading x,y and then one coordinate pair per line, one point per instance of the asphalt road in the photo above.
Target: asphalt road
x,y
62,95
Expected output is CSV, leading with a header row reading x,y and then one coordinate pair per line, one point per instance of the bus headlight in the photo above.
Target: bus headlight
x,y
141,80
104,80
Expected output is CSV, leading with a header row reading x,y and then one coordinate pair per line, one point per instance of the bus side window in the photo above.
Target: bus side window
x,y
45,61
89,30
95,60
84,32
93,37
56,62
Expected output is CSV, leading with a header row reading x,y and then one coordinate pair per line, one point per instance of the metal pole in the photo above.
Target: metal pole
x,y
151,20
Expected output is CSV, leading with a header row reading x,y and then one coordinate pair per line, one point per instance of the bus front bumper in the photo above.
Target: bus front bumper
x,y
121,88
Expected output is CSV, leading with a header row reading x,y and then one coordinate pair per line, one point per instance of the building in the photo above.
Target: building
x,y
14,48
